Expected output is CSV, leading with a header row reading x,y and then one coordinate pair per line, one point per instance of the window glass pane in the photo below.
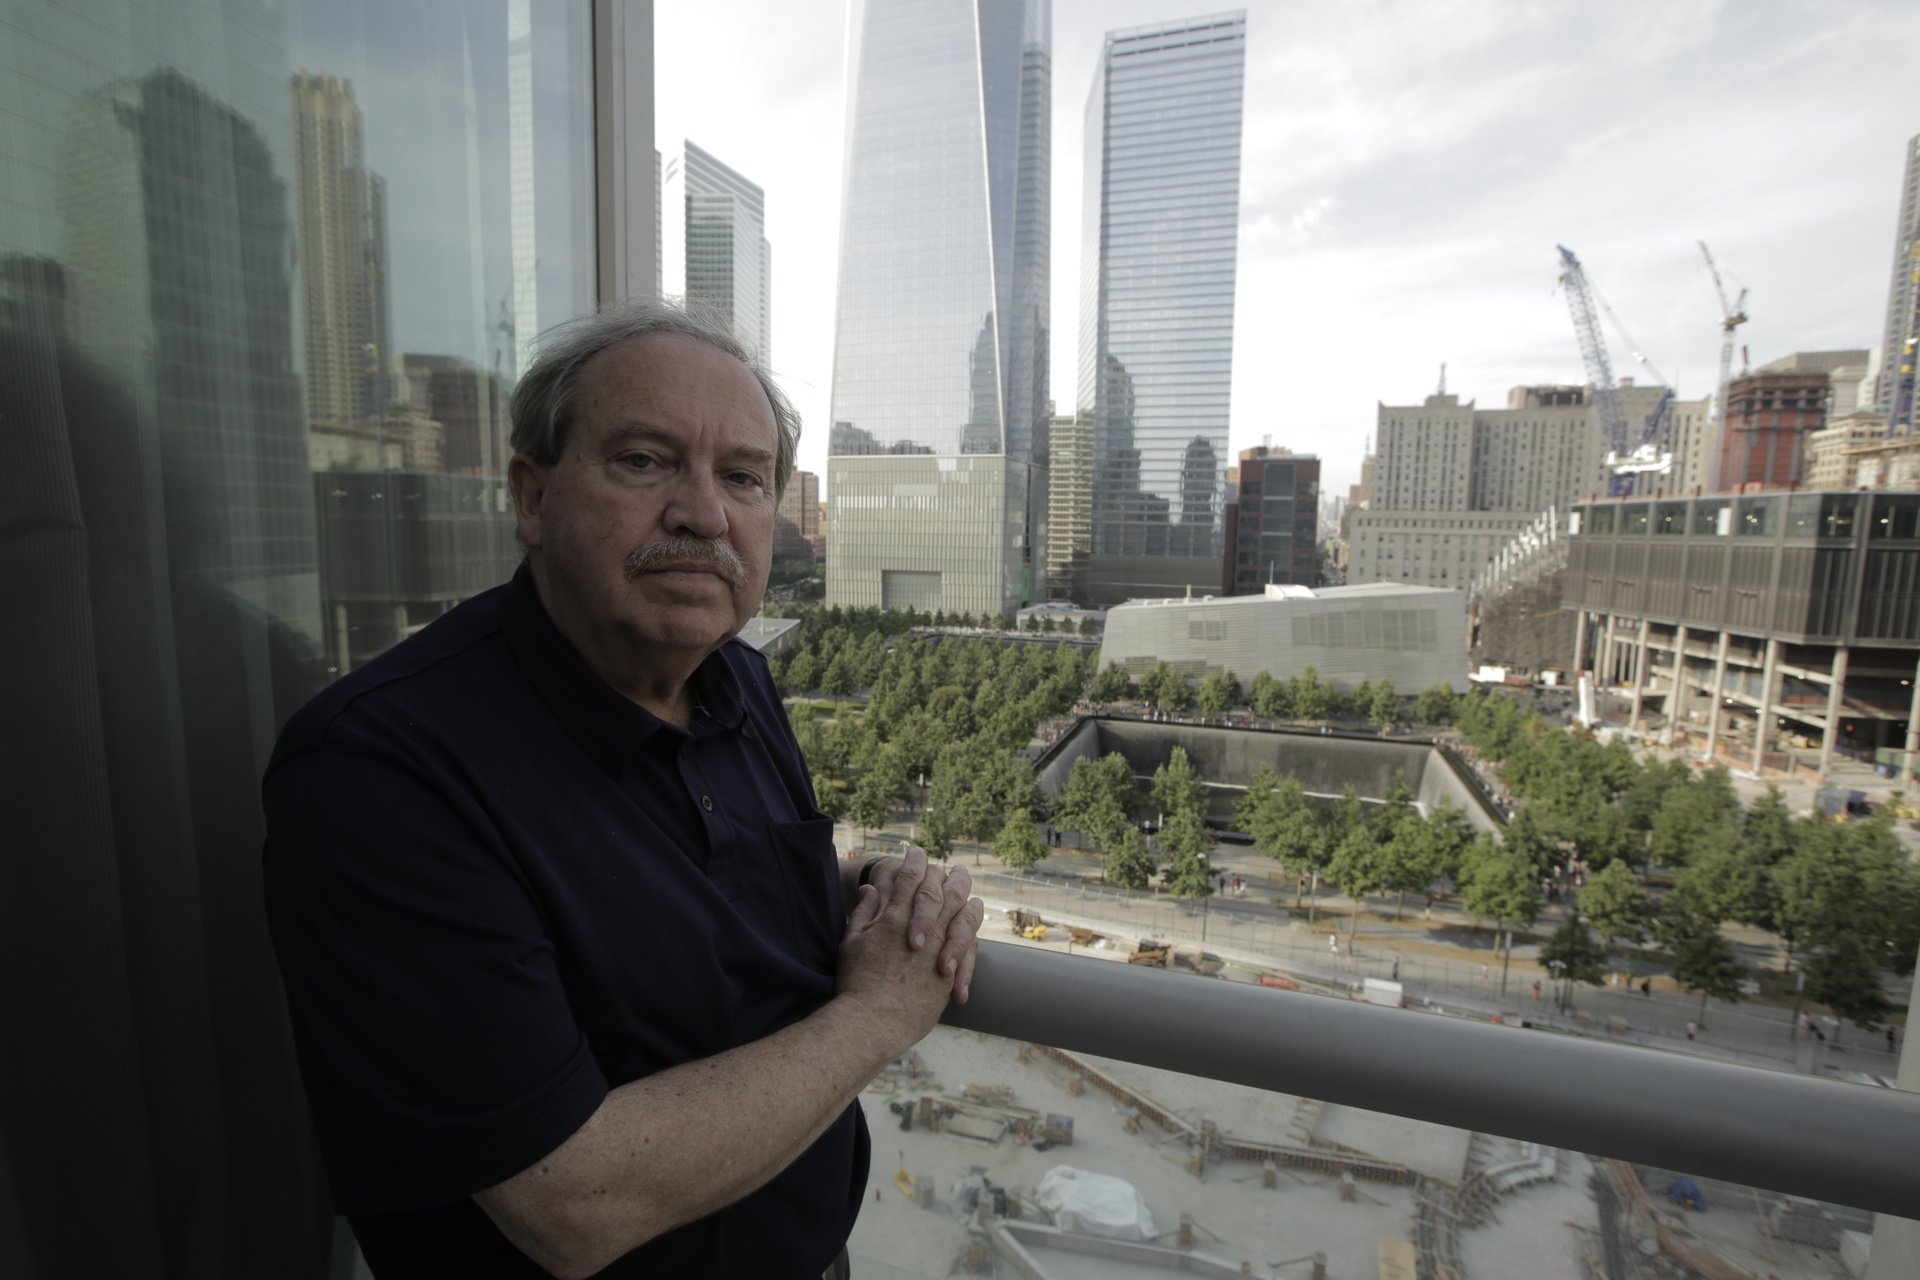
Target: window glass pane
x,y
268,272
1706,515
1633,518
1896,516
1758,516
1803,515
1600,518
1837,514
1670,517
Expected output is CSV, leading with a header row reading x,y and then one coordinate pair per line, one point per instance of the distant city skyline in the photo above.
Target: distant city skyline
x,y
1406,176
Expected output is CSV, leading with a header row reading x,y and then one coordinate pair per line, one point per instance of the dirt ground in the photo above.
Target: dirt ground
x,y
1236,1218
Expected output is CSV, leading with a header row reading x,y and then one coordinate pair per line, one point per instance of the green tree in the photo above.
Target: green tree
x,y
1359,866
1089,627
800,673
1572,954
828,796
1276,813
1018,845
1435,705
1696,819
1308,696
1706,962
1501,886
872,804
1112,684
1615,905
1452,837
1177,788
1525,839
1383,704
1844,976
936,835
1187,844
1128,864
1270,697
1217,692
1852,881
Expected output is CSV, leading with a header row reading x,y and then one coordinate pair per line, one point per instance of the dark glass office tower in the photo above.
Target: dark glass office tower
x,y
1162,197
937,483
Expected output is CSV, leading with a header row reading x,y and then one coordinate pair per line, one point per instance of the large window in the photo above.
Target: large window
x,y
267,274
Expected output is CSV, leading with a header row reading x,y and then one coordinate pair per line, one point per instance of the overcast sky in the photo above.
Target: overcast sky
x,y
1407,169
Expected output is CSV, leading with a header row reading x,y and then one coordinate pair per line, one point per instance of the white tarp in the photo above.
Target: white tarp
x,y
1095,1204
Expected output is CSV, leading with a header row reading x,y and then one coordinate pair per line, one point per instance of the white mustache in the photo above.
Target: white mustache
x,y
678,550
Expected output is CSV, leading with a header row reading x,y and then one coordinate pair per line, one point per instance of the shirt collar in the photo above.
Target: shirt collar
x,y
609,725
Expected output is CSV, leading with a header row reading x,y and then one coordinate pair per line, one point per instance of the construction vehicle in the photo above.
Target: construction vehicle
x,y
1631,455
1197,961
1150,952
1028,925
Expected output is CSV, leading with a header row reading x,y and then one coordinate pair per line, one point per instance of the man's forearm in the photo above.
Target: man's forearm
x,y
685,1142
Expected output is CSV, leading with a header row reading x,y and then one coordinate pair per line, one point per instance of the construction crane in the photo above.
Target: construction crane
x,y
1732,316
1644,451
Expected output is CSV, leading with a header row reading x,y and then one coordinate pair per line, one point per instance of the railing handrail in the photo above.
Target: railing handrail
x,y
1824,1139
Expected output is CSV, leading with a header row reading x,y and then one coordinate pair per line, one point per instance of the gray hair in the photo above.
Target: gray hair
x,y
542,407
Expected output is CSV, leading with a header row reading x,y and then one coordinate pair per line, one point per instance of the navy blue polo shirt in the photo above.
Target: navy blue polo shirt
x,y
498,888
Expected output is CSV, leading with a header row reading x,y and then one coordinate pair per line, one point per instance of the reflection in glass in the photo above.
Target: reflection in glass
x,y
1758,517
1708,515
1803,515
267,273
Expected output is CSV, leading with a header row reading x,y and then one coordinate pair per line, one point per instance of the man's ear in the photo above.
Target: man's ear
x,y
528,481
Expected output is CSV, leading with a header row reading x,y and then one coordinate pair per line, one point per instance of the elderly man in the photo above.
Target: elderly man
x,y
563,932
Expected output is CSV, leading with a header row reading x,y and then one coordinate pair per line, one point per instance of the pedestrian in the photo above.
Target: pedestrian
x,y
1889,1037
1333,943
1396,978
1691,1028
1536,991
1646,987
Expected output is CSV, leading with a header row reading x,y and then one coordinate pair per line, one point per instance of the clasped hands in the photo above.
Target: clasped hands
x,y
912,937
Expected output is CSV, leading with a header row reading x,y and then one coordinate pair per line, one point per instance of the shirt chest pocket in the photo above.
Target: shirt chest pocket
x,y
783,881
810,874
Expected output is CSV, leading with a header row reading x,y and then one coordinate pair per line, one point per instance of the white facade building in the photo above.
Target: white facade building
x,y
1415,637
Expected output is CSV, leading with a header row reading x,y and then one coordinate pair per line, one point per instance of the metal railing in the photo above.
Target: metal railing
x,y
1842,1143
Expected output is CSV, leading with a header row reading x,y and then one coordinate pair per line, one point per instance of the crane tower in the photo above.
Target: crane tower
x,y
1629,455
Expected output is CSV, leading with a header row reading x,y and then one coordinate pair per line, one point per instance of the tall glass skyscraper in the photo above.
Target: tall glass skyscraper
x,y
1162,204
937,484
716,248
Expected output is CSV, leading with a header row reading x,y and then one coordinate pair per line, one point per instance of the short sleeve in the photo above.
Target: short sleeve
x,y
438,1048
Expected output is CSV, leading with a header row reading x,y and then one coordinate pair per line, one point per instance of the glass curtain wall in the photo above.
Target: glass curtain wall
x,y
940,370
267,274
1162,195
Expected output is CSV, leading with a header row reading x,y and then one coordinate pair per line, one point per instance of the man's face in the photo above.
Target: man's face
x,y
653,533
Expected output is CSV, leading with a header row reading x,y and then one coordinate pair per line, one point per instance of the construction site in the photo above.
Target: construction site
x,y
998,1158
